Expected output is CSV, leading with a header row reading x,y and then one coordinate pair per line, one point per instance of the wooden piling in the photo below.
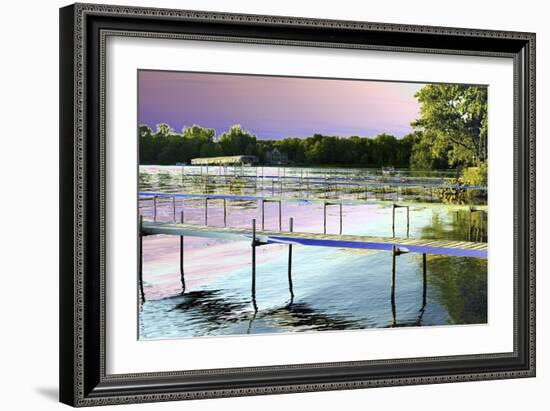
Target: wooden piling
x,y
392,284
182,274
154,208
290,285
340,218
324,217
424,280
470,225
280,216
253,287
224,213
408,222
263,214
140,262
393,220
206,211
174,209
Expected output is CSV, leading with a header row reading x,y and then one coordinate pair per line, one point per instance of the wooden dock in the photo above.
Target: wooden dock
x,y
404,245
149,196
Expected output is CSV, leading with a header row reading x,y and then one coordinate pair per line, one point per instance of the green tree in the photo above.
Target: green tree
x,y
145,131
237,141
163,130
453,121
199,133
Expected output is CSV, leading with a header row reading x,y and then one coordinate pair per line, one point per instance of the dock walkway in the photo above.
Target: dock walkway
x,y
423,246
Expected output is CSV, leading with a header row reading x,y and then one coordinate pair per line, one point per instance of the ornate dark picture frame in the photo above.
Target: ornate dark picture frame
x,y
83,30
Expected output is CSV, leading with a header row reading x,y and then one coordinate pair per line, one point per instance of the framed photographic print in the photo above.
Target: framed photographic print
x,y
261,204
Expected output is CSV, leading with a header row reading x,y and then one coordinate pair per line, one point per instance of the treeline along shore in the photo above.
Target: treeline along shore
x,y
165,147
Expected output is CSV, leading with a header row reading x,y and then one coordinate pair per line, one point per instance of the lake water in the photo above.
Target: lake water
x,y
334,289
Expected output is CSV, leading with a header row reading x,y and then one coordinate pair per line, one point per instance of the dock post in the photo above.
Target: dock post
x,y
154,208
340,218
407,221
140,262
263,214
174,209
206,211
290,285
182,274
253,288
424,280
470,231
324,217
280,217
393,220
224,213
392,284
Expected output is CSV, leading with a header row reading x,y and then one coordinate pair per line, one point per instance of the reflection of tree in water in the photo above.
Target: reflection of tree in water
x,y
460,282
164,180
464,226
461,286
144,181
302,317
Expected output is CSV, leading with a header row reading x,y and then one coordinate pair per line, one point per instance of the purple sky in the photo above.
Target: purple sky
x,y
276,107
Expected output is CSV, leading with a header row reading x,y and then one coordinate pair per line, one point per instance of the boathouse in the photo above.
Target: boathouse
x,y
225,160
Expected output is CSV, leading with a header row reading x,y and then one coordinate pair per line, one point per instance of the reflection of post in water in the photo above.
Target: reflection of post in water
x,y
252,319
290,286
254,264
424,281
392,284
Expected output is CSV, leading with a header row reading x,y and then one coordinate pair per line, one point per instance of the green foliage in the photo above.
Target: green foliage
x,y
475,176
460,282
453,121
166,147
163,130
195,132
422,157
461,285
237,141
470,177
